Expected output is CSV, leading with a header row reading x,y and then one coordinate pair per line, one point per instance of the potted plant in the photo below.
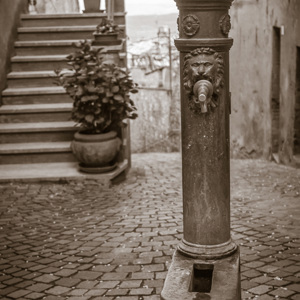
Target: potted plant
x,y
92,6
107,33
101,94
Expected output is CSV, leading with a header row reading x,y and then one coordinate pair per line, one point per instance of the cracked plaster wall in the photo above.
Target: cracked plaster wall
x,y
251,71
9,20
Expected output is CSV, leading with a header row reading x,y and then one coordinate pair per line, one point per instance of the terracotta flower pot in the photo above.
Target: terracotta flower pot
x,y
96,152
92,6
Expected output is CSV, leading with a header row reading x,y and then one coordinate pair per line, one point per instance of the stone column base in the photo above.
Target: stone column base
x,y
188,278
207,251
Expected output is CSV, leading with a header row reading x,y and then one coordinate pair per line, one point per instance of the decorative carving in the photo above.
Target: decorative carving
x,y
203,78
225,24
32,7
190,25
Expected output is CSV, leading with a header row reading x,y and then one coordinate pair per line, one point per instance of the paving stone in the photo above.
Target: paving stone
x,y
142,275
293,269
107,240
117,292
107,284
131,284
77,292
12,281
251,273
35,295
39,287
87,275
254,264
294,287
95,292
141,291
67,282
114,276
267,269
103,269
65,272
160,275
128,269
18,294
127,298
261,289
82,298
46,278
265,297
282,292
247,285
154,283
58,290
87,284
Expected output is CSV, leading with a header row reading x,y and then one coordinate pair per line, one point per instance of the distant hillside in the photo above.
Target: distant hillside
x,y
146,26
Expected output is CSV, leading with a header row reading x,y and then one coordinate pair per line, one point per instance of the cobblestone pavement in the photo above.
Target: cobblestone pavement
x,y
80,240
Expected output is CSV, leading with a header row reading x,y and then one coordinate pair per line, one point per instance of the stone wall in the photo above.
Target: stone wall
x,y
9,20
156,128
251,75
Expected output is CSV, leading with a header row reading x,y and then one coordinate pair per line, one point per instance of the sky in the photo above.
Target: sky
x,y
147,7
150,7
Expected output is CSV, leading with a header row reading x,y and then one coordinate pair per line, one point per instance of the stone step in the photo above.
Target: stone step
x,y
38,63
35,95
31,79
33,91
59,33
58,172
37,132
23,79
23,153
35,113
68,19
55,47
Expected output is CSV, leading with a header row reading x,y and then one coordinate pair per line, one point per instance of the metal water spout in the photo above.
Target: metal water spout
x,y
203,91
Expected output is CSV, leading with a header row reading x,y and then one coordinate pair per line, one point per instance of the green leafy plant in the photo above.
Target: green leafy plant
x,y
107,26
101,91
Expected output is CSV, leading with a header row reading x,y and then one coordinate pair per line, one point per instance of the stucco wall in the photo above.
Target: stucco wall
x,y
150,132
9,20
251,73
57,6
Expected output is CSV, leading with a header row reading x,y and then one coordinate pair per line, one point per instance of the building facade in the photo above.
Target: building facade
x,y
265,79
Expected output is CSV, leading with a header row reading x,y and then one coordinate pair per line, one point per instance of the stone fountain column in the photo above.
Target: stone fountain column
x,y
206,263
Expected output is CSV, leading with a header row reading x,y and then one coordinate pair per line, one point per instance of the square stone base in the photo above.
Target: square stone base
x,y
225,284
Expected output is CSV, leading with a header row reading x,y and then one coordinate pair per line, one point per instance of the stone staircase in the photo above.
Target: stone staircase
x,y
35,125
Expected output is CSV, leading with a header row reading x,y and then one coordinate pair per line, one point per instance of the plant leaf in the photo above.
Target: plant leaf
x,y
118,97
89,118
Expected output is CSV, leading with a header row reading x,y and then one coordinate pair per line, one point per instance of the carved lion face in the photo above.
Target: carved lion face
x,y
203,63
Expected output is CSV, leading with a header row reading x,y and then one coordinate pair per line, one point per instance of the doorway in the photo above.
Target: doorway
x,y
297,108
275,90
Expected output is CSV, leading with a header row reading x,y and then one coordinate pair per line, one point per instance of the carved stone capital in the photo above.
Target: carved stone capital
x,y
204,4
218,44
